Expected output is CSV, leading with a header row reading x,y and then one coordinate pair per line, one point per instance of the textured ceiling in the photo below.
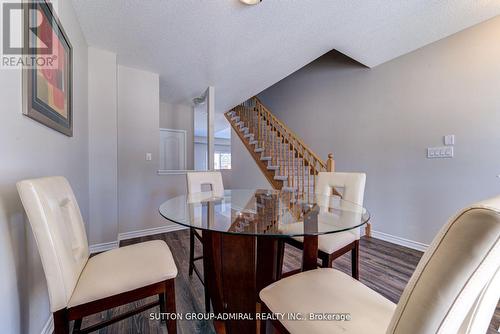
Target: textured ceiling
x,y
241,50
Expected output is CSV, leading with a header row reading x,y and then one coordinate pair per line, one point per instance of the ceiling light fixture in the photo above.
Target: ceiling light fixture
x,y
250,2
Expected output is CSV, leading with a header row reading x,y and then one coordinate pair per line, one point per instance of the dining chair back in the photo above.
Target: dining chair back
x,y
197,180
456,285
332,246
80,285
59,232
353,185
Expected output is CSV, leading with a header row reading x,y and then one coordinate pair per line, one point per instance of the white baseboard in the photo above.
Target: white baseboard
x,y
49,326
97,248
170,228
400,241
149,231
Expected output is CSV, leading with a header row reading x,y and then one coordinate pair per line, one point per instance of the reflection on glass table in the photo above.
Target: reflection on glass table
x,y
264,213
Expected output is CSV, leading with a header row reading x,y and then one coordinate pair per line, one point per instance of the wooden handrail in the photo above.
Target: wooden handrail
x,y
285,158
278,142
290,132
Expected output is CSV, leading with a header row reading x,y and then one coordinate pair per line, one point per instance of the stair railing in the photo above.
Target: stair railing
x,y
293,158
286,151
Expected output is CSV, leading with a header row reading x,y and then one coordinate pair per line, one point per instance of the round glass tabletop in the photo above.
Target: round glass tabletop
x,y
264,213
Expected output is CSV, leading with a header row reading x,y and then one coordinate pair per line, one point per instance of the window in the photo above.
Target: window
x,y
222,160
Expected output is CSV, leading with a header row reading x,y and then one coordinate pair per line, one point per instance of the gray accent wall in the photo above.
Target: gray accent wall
x,y
29,149
245,174
381,120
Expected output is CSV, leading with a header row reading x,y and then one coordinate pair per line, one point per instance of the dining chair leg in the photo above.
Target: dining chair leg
x,y
61,322
207,299
263,323
77,325
281,255
355,260
274,326
170,306
191,251
263,326
325,262
162,298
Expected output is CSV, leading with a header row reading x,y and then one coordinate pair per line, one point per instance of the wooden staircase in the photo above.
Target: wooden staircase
x,y
288,164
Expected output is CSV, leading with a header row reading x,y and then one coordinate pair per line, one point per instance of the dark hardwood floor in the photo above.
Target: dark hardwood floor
x,y
384,267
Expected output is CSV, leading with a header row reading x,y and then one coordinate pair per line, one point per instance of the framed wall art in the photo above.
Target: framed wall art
x,y
48,78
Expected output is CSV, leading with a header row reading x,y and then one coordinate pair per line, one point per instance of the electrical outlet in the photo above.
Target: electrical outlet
x,y
440,152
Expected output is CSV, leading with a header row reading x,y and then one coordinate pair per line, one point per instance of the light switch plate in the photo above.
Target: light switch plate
x,y
440,152
449,140
149,156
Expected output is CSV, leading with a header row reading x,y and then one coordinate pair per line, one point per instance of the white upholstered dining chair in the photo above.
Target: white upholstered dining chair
x,y
454,289
198,182
80,285
331,246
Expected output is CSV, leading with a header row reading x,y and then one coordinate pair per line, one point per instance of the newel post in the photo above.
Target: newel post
x,y
330,163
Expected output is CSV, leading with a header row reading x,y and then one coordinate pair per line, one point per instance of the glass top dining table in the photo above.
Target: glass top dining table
x,y
264,212
244,232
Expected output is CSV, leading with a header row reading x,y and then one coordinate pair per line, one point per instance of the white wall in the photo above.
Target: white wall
x,y
29,149
179,117
140,189
381,121
182,117
103,150
138,134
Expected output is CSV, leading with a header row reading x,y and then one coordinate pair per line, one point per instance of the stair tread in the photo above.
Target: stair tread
x,y
282,163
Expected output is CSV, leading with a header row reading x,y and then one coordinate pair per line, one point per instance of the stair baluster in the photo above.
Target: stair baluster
x,y
292,166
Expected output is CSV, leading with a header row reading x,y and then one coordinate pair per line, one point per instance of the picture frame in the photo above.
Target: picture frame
x,y
47,90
